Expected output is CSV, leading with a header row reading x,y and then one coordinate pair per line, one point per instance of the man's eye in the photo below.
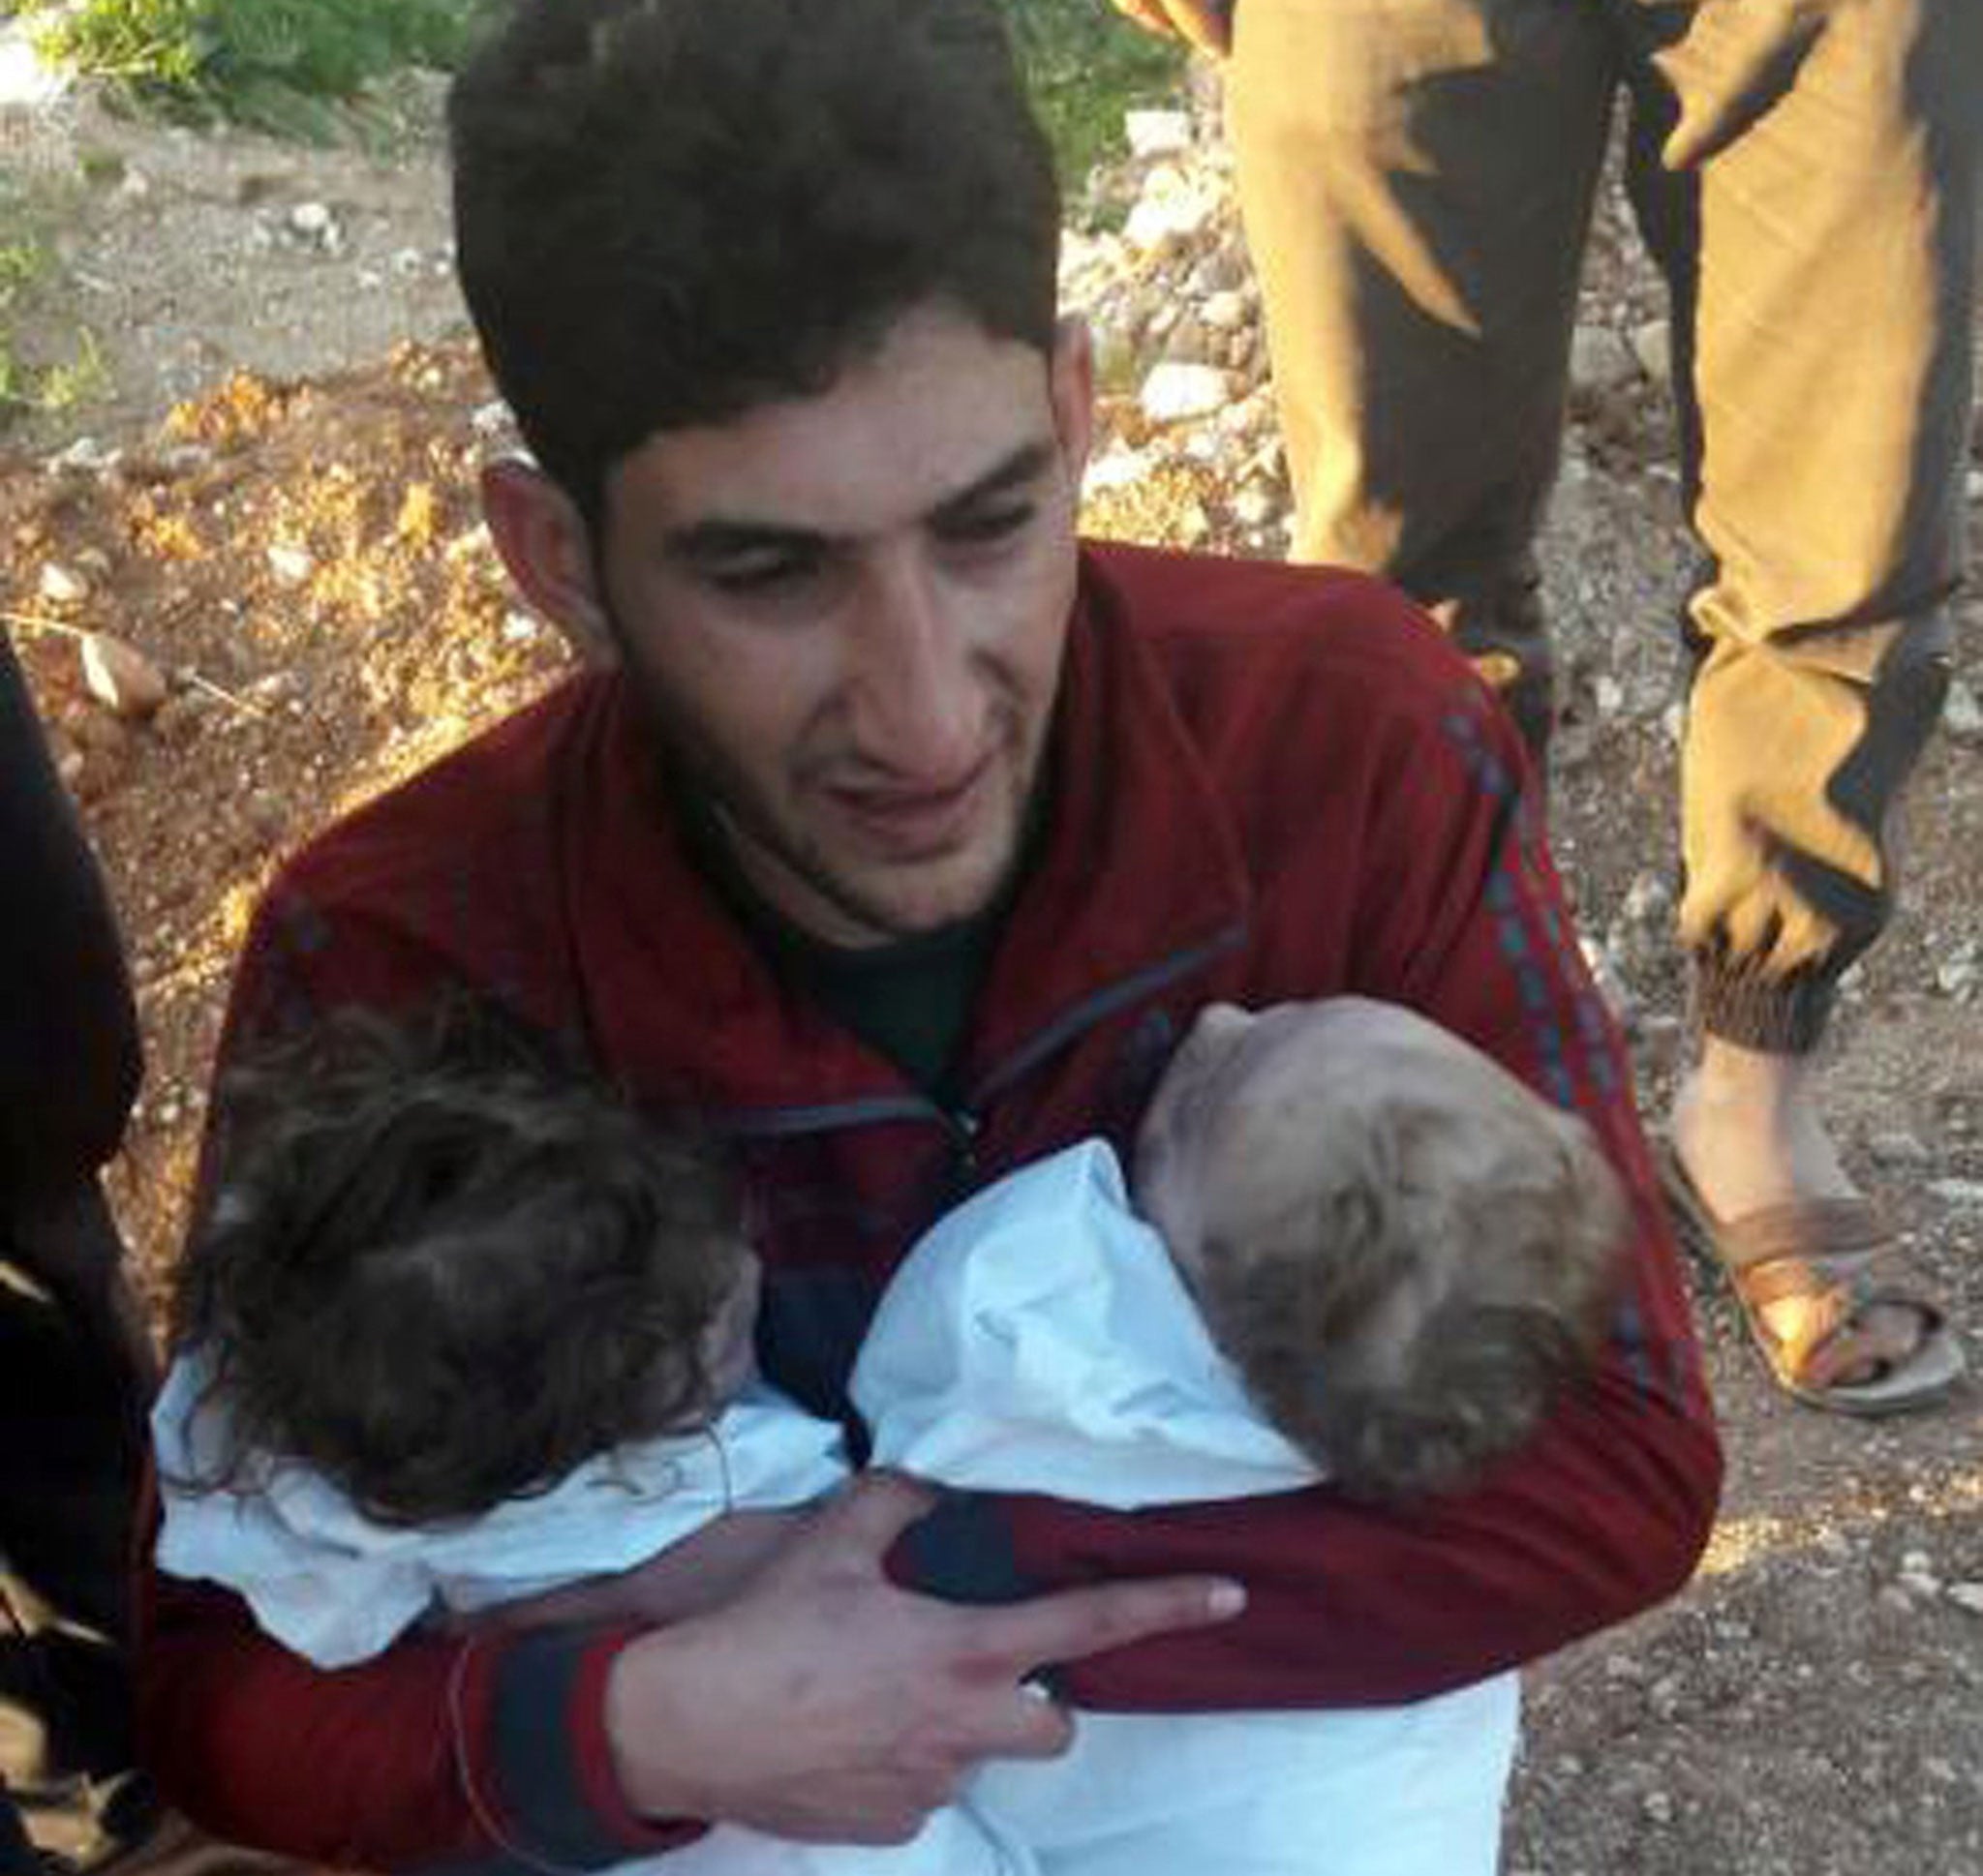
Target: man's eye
x,y
762,573
983,525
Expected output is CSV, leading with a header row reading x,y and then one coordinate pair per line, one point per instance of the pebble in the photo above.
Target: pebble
x,y
1600,361
62,586
292,565
1962,716
1652,345
313,224
1899,1150
1156,132
1967,1596
1179,393
121,675
1958,1191
1224,311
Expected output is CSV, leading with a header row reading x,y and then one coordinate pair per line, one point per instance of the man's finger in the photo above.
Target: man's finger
x,y
869,1514
1072,1625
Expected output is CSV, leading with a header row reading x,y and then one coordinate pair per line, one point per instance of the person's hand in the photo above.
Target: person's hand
x,y
1207,24
828,1705
705,1570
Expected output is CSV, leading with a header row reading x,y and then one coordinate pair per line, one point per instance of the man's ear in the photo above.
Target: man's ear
x,y
547,547
1071,383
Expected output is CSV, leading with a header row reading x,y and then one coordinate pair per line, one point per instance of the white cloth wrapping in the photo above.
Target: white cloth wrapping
x,y
1039,1339
336,1586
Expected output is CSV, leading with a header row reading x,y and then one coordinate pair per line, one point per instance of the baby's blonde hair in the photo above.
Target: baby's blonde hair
x,y
1407,1311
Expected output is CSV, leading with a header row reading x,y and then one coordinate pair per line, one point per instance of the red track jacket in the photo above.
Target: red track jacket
x,y
1268,783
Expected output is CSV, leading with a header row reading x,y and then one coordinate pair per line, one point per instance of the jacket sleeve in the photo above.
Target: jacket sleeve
x,y
69,1051
491,1750
1460,915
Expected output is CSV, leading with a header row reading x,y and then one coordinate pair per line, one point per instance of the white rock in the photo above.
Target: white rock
x,y
1962,716
1958,1191
1256,505
1967,1596
1179,393
1599,360
1118,466
1172,211
87,454
1156,132
1224,311
292,565
1609,694
1972,484
62,586
121,675
1652,345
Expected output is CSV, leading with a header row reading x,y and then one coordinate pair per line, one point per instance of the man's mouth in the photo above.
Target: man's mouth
x,y
916,820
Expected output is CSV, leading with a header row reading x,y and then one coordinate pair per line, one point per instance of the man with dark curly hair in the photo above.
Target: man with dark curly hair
x,y
899,836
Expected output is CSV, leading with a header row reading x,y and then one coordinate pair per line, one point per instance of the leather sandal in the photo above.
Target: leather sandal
x,y
1841,1254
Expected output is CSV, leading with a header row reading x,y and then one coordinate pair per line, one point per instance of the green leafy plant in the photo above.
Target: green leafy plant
x,y
259,61
1085,66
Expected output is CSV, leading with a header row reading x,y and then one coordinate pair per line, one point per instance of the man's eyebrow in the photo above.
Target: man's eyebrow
x,y
719,538
1026,464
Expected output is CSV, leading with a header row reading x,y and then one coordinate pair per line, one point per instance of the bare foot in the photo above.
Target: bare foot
x,y
1747,1127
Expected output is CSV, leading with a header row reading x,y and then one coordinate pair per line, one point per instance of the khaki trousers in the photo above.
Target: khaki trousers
x,y
1418,179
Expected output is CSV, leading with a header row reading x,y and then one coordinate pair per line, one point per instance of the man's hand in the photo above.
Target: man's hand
x,y
828,1705
1207,24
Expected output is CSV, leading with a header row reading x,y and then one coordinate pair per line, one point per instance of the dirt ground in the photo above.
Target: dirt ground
x,y
275,505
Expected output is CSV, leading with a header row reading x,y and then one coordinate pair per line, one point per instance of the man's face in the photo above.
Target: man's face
x,y
846,615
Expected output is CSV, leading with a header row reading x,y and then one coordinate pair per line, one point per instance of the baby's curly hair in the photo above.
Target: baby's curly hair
x,y
443,1272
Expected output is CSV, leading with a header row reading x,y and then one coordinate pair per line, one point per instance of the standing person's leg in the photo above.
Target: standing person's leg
x,y
1805,171
1417,179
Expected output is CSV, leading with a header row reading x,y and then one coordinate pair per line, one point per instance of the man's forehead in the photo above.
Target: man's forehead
x,y
936,409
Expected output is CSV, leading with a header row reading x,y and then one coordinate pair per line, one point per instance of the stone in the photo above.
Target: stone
x,y
1170,214
121,675
1899,1150
1652,345
1600,361
1224,311
1151,134
1967,1596
1180,393
292,565
1962,716
62,586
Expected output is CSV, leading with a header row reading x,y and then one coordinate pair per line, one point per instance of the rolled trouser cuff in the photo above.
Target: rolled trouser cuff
x,y
1776,1014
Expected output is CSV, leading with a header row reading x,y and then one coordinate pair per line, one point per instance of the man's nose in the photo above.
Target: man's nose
x,y
916,693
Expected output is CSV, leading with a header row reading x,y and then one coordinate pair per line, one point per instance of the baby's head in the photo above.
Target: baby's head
x,y
444,1274
1403,1250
